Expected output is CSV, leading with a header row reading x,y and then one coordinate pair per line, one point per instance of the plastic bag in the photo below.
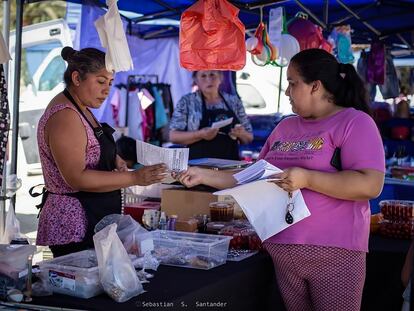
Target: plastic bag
x,y
212,37
148,261
13,183
134,237
116,272
42,286
12,227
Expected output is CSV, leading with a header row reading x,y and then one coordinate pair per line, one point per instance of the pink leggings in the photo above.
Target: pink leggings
x,y
318,278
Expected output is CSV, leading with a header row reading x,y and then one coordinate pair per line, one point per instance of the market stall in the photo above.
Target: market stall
x,y
248,284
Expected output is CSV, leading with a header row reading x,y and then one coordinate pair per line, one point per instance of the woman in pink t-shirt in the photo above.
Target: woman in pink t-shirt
x,y
333,152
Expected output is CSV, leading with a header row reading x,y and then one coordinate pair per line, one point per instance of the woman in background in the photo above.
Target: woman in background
x,y
195,113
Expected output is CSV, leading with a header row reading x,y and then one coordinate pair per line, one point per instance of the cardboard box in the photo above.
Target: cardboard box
x,y
186,203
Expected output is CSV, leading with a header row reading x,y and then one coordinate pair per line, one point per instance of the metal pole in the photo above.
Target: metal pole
x,y
326,11
369,26
6,33
280,89
309,12
16,90
262,5
6,36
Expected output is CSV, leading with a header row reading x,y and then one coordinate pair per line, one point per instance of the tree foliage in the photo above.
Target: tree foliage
x,y
35,12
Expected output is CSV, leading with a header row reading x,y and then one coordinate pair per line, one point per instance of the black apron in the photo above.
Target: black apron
x,y
96,204
222,146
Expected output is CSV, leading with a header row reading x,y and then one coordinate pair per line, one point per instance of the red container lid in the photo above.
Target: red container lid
x,y
136,210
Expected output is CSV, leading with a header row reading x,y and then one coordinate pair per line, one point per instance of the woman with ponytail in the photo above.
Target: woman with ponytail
x,y
333,152
81,168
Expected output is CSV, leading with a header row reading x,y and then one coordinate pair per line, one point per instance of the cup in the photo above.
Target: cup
x,y
221,211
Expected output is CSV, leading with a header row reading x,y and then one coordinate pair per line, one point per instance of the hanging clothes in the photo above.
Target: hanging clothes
x,y
134,117
376,63
4,121
122,112
115,105
390,88
165,90
362,67
161,119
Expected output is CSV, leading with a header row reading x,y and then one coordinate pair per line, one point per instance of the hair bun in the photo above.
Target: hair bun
x,y
67,53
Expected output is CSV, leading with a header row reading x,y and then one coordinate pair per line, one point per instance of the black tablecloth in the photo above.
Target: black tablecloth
x,y
383,288
246,285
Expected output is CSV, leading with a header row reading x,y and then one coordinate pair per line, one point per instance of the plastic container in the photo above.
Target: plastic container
x,y
136,210
397,229
221,211
13,267
214,227
243,236
398,210
75,274
190,250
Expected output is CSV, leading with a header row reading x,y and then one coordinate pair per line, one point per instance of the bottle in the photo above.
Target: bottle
x,y
162,225
171,222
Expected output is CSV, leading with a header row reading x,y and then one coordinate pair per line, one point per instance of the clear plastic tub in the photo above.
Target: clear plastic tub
x,y
397,229
397,209
75,274
243,236
13,267
190,250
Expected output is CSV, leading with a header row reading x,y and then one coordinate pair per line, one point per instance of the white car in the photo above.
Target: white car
x,y
41,79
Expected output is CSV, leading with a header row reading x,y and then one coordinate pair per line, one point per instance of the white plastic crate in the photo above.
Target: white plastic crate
x,y
190,250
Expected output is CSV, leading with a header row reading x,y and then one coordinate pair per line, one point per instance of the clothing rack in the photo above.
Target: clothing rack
x,y
142,78
134,80
151,83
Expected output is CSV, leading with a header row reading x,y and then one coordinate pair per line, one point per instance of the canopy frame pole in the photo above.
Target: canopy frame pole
x,y
3,189
280,89
326,11
16,90
368,25
309,12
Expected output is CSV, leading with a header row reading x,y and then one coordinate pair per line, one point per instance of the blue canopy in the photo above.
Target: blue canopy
x,y
389,20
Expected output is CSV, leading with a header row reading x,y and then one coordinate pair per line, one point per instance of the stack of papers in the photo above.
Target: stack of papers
x,y
222,123
176,159
259,170
264,205
263,202
217,163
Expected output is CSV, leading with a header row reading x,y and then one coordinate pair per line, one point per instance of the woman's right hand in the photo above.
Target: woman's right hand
x,y
208,133
190,178
151,174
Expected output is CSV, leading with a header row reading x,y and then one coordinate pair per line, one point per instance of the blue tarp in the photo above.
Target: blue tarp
x,y
393,19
